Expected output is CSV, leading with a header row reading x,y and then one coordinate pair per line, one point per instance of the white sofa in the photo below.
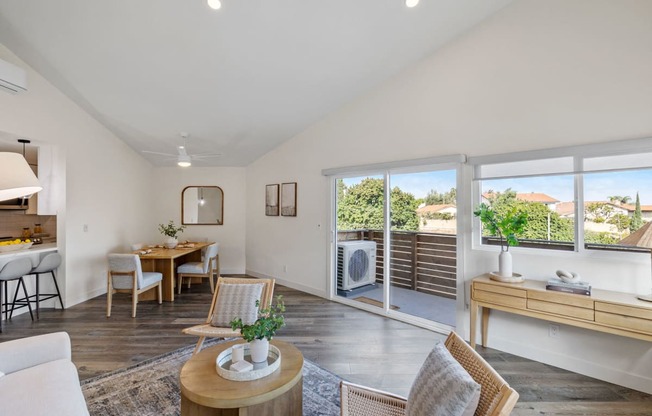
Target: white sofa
x,y
39,378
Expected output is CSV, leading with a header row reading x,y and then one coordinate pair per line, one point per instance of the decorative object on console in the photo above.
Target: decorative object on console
x,y
171,231
289,199
261,332
271,200
576,287
506,226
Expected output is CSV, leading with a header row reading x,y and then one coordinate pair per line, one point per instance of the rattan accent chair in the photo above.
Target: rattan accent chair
x,y
497,398
207,330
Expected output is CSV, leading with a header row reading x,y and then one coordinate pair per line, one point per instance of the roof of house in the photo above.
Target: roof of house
x,y
529,197
434,208
567,208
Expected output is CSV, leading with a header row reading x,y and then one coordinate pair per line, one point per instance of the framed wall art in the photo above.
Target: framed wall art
x,y
289,199
271,200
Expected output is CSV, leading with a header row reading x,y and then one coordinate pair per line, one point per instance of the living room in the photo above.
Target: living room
x,y
530,76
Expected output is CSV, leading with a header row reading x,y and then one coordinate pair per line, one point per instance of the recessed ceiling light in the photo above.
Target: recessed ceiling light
x,y
214,4
411,3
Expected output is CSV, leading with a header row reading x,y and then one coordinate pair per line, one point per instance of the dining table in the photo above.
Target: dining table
x,y
165,261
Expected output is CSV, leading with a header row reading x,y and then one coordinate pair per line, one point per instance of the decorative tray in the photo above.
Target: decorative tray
x,y
223,362
15,247
516,278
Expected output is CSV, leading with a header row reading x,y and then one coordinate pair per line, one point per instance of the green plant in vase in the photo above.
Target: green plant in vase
x,y
171,231
506,226
259,333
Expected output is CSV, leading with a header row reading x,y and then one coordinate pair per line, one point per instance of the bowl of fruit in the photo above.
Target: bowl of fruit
x,y
15,245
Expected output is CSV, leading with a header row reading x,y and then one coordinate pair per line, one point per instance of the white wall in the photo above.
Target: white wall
x,y
106,183
536,75
167,185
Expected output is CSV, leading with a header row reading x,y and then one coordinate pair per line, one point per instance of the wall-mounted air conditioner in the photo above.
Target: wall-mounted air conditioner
x,y
356,264
12,78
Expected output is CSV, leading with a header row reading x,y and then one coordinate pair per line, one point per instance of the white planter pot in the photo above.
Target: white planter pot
x,y
171,242
259,350
505,264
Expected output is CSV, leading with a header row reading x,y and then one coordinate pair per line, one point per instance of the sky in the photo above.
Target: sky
x,y
597,186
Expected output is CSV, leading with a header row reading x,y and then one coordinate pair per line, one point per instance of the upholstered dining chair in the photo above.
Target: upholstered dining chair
x,y
125,275
13,270
232,297
494,397
202,269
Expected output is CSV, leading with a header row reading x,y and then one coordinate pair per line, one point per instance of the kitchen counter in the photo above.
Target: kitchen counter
x,y
35,253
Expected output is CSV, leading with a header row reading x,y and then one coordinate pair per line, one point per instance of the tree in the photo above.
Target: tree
x,y
619,199
542,224
621,221
598,212
637,218
435,198
361,207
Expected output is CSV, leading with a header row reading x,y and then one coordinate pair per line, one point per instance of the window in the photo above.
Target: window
x,y
582,198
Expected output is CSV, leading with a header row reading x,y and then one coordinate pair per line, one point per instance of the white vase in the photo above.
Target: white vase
x,y
171,242
505,264
259,350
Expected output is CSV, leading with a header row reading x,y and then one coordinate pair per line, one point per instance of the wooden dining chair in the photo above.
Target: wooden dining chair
x,y
125,275
204,269
207,329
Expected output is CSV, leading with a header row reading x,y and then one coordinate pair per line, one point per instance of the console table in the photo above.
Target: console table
x,y
606,311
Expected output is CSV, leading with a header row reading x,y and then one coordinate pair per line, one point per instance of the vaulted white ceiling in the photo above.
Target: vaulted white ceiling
x,y
240,80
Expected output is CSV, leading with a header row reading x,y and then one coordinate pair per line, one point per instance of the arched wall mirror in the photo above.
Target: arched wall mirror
x,y
202,205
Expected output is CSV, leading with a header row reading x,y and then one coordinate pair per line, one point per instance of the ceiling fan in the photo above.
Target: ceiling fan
x,y
182,157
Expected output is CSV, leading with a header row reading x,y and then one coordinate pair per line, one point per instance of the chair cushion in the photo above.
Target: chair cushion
x,y
192,267
443,387
151,277
236,301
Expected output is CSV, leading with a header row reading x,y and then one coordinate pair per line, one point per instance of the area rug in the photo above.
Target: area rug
x,y
374,302
152,388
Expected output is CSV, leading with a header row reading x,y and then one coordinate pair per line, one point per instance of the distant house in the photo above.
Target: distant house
x,y
539,197
646,211
567,209
437,209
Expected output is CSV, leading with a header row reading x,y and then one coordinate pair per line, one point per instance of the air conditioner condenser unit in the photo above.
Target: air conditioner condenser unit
x,y
356,264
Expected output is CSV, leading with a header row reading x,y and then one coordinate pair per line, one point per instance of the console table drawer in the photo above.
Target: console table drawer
x,y
568,311
623,321
499,299
502,290
563,298
624,310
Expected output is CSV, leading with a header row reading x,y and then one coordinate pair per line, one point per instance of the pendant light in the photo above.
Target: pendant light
x,y
17,179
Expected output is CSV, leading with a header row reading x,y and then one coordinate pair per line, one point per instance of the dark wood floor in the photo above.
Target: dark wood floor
x,y
354,344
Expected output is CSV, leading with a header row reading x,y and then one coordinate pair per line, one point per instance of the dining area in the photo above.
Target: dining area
x,y
155,272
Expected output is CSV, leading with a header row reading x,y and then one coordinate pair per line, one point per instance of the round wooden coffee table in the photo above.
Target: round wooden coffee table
x,y
205,393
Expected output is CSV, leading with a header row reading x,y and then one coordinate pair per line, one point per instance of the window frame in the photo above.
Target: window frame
x,y
579,155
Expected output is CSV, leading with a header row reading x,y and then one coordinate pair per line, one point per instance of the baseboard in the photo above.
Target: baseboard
x,y
574,364
87,296
290,284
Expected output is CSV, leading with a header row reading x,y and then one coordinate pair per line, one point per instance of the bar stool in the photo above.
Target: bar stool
x,y
14,270
48,264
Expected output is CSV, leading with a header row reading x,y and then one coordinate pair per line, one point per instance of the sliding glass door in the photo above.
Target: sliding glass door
x,y
396,245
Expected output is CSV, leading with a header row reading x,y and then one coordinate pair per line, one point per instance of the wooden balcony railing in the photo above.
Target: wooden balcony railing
x,y
424,262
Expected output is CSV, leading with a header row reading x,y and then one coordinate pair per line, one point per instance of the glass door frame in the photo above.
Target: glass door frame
x,y
386,173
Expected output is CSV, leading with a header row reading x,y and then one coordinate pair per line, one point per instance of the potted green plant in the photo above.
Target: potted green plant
x,y
171,231
506,226
259,333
